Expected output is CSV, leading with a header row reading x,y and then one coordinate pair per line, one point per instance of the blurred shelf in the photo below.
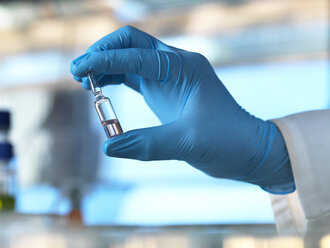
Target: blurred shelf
x,y
243,32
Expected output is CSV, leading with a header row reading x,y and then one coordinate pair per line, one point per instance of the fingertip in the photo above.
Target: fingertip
x,y
85,86
78,79
78,60
131,144
110,145
85,83
105,146
75,71
78,66
72,69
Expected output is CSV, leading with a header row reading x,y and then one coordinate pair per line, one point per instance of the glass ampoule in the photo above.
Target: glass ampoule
x,y
105,110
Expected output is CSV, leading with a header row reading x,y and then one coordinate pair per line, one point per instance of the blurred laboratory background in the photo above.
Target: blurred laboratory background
x,y
272,55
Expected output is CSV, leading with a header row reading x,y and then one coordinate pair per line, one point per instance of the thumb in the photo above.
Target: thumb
x,y
156,143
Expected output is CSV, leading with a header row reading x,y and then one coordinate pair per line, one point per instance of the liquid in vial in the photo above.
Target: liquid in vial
x,y
112,128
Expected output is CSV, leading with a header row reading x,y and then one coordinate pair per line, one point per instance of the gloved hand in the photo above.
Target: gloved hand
x,y
202,123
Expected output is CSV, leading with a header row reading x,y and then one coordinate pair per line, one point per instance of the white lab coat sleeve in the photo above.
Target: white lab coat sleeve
x,y
307,137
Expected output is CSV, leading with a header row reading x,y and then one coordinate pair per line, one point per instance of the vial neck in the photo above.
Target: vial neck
x,y
98,95
96,90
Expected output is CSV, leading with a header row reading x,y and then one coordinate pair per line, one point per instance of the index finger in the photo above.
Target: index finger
x,y
126,37
152,64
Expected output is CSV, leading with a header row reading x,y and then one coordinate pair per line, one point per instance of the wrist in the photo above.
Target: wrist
x,y
280,179
272,168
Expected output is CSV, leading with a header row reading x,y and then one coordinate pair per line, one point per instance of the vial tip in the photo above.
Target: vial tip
x,y
95,89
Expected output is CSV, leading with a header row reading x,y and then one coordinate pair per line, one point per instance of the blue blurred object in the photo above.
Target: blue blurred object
x,y
202,123
6,149
4,119
7,172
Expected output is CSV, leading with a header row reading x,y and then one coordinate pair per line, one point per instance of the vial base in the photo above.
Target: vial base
x,y
112,128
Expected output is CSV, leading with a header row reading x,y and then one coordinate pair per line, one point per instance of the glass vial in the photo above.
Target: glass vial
x,y
105,110
107,116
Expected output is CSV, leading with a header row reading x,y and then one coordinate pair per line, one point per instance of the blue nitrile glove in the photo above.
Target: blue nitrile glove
x,y
202,123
